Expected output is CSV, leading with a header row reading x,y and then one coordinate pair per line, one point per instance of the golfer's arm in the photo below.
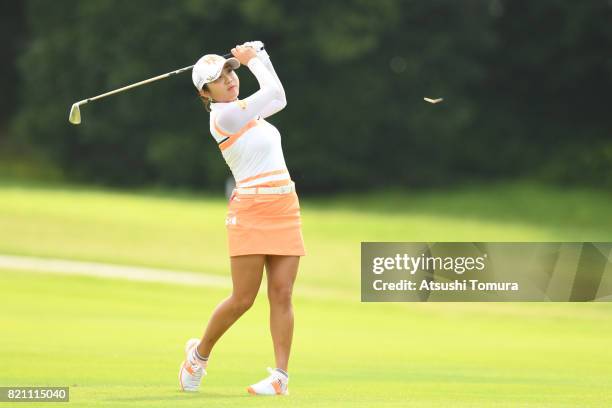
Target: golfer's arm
x,y
239,113
277,104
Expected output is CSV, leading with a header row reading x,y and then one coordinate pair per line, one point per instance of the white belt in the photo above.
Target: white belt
x,y
267,190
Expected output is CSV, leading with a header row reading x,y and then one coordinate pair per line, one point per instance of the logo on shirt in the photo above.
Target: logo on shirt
x,y
230,220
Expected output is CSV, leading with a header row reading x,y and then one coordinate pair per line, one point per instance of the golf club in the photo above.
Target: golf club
x,y
75,111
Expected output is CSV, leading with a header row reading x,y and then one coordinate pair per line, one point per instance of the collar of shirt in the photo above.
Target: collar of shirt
x,y
220,105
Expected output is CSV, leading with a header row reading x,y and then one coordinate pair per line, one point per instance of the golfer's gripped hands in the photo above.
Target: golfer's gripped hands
x,y
243,54
258,45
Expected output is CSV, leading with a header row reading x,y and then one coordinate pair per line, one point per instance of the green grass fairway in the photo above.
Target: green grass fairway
x,y
119,343
187,232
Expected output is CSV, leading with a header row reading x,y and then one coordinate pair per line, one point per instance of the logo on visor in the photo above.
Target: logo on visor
x,y
211,59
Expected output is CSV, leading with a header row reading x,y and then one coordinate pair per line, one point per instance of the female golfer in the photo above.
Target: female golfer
x,y
263,219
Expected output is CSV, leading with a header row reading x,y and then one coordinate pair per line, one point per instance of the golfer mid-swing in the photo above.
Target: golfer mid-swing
x,y
263,220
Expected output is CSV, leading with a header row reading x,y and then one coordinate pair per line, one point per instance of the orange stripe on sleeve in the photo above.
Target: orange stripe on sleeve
x,y
232,137
218,129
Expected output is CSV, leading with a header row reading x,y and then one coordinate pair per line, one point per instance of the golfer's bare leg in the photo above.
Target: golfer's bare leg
x,y
282,271
247,272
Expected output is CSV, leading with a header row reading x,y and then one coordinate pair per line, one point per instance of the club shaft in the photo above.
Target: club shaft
x,y
146,81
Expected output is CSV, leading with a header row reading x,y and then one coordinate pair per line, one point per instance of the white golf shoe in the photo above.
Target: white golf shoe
x,y
275,384
191,372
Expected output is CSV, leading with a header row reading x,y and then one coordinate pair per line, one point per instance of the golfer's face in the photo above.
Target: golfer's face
x,y
226,87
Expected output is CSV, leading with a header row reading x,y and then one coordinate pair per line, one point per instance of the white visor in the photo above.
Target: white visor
x,y
209,67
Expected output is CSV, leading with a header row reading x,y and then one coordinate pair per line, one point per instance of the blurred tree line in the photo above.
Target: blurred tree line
x,y
524,83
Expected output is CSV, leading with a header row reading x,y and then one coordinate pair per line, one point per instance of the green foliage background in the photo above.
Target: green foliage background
x,y
524,86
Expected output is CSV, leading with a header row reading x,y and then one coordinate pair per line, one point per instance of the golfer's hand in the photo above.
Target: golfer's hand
x,y
244,54
258,45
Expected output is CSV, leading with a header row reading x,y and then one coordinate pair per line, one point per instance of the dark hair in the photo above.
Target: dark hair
x,y
205,101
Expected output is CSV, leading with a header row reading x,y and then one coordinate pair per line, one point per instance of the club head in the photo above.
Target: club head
x,y
75,114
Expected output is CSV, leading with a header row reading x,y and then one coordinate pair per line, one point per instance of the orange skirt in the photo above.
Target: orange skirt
x,y
264,224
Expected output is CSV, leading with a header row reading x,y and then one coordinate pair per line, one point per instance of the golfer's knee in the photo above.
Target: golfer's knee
x,y
241,304
280,295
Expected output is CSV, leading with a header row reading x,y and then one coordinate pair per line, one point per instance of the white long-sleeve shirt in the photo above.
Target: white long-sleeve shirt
x,y
250,145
